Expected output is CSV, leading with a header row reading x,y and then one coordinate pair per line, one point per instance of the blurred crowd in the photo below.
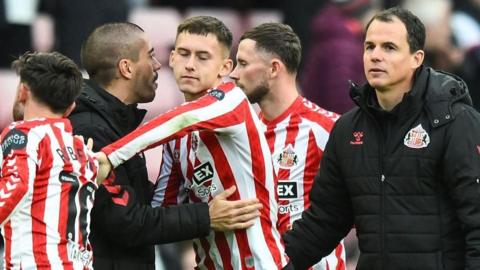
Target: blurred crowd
x,y
332,33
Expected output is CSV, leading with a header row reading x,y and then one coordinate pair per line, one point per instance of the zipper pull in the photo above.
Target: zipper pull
x,y
382,178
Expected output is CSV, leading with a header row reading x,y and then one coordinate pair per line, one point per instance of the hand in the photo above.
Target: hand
x,y
89,141
228,215
104,167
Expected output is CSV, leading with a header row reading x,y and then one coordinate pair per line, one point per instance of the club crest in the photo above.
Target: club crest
x,y
287,158
417,138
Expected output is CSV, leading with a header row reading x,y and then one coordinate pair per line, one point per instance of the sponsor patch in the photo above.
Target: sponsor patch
x,y
287,190
14,140
66,177
202,173
217,93
417,138
287,158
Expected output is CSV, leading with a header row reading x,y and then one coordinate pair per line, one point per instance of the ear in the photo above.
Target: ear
x,y
23,92
125,68
170,59
69,110
275,67
226,69
417,59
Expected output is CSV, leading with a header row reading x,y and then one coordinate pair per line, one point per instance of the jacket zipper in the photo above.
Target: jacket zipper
x,y
382,178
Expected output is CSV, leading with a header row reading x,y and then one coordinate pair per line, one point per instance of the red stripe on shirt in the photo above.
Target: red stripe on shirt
x,y
259,175
40,189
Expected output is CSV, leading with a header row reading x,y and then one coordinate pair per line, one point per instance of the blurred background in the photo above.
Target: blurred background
x,y
331,32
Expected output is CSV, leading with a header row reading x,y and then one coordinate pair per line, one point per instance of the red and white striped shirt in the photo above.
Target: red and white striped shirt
x,y
297,139
46,194
219,145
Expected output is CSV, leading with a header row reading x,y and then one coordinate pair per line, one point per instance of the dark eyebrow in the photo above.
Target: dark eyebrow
x,y
196,52
390,43
151,50
368,42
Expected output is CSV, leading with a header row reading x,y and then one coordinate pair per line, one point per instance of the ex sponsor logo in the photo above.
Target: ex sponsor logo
x,y
290,208
202,173
15,139
287,190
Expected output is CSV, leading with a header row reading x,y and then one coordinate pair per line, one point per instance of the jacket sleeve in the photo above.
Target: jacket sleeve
x,y
123,219
329,217
461,165
118,214
217,110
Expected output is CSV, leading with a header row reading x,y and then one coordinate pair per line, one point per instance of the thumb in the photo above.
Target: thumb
x,y
227,193
90,143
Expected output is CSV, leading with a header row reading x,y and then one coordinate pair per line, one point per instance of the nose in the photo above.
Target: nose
x,y
376,54
190,64
156,64
234,74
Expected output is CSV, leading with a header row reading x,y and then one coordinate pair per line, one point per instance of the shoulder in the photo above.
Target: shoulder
x,y
312,109
314,113
22,133
225,89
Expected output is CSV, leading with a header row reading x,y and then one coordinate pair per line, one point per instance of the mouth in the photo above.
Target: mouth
x,y
376,70
155,84
189,78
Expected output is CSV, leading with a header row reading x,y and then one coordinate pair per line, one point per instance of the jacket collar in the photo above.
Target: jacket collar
x,y
121,117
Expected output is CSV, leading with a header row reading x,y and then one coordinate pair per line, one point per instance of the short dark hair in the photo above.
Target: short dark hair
x,y
279,39
415,28
53,79
106,46
204,25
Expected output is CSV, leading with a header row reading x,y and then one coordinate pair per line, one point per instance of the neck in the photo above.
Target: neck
x,y
389,99
120,91
279,98
191,97
35,110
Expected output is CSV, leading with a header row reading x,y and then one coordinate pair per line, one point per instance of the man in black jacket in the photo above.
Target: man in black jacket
x,y
403,167
123,72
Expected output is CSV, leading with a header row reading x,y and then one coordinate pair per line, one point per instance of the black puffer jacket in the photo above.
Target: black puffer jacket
x,y
408,180
124,227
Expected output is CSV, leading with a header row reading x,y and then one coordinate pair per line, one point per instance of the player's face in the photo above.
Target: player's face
x,y
145,77
389,65
18,105
251,71
199,62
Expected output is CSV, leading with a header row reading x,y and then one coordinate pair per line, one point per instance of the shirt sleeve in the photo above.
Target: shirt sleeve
x,y
218,109
19,162
169,188
122,217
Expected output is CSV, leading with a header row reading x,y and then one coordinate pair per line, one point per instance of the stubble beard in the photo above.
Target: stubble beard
x,y
258,93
